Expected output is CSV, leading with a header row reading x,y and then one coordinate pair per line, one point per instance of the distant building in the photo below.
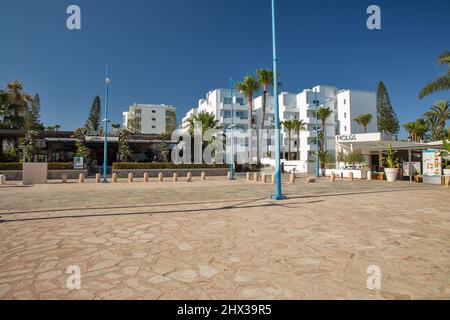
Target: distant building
x,y
150,118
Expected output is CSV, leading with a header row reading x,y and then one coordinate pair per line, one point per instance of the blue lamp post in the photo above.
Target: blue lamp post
x,y
278,195
232,131
105,129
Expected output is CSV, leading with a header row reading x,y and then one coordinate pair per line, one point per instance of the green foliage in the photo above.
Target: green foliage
x,y
387,118
208,121
93,121
164,165
356,157
9,155
441,83
30,145
171,122
390,159
364,120
124,148
82,150
17,166
325,158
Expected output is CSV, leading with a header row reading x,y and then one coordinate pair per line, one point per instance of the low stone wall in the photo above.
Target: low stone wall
x,y
16,175
219,172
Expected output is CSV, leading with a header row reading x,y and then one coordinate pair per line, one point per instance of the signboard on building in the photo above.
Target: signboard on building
x,y
78,163
432,163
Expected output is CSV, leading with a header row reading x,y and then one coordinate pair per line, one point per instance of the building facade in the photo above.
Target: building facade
x,y
346,105
150,118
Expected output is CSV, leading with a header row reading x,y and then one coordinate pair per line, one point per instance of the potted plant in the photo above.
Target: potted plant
x,y
392,165
32,172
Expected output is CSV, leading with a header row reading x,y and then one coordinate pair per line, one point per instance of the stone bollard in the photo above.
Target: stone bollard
x,y
130,177
145,176
203,176
81,178
2,179
189,177
64,178
369,175
292,178
114,177
273,179
310,180
98,178
160,177
350,176
264,178
255,177
229,175
333,177
175,177
248,176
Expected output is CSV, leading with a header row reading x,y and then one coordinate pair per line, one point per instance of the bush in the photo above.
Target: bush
x,y
51,166
163,165
11,166
9,155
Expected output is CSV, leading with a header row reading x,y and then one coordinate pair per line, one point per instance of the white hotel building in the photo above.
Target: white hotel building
x,y
345,104
148,118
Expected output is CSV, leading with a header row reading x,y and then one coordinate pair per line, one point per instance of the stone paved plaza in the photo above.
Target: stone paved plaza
x,y
218,239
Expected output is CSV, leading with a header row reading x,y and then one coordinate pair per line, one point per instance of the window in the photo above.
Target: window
x,y
153,111
345,115
241,114
240,101
153,119
227,100
153,127
345,102
345,128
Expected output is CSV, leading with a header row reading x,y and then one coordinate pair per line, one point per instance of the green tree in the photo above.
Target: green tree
x,y
265,78
82,150
299,125
364,120
248,87
325,157
323,114
289,126
441,83
387,118
441,110
16,105
124,148
93,121
30,145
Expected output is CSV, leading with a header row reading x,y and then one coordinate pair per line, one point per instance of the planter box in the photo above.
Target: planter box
x,y
34,173
391,174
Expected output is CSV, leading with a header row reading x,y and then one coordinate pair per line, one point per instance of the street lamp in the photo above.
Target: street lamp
x,y
278,195
232,130
105,129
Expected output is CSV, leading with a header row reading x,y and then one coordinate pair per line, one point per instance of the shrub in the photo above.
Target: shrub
x,y
11,166
9,155
164,165
51,166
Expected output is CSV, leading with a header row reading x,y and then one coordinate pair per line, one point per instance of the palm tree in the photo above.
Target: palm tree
x,y
265,78
442,83
289,126
323,114
17,99
436,132
299,125
440,109
324,157
417,129
364,120
410,128
248,87
207,120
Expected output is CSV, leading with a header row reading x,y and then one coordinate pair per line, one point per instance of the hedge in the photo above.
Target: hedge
x,y
161,165
51,166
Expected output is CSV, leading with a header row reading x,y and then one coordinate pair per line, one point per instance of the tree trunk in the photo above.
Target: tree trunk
x,y
289,144
298,145
250,135
261,126
324,138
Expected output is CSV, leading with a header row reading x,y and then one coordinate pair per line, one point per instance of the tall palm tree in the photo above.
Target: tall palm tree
x,y
410,128
323,114
17,99
299,125
440,109
248,87
436,132
364,120
441,83
289,126
208,121
265,78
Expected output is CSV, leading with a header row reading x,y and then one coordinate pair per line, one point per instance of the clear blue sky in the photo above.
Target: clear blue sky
x,y
175,51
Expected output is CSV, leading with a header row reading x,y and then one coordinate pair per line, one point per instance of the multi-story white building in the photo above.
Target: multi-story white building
x,y
346,105
149,118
